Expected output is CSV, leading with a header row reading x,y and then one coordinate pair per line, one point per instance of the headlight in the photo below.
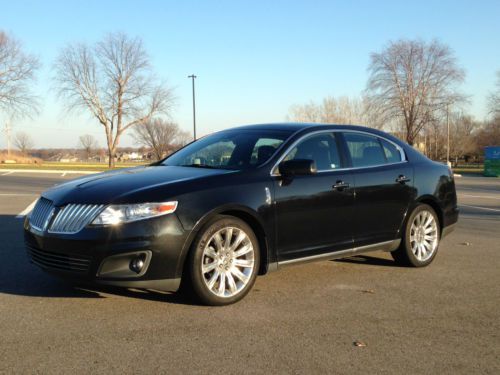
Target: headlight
x,y
125,213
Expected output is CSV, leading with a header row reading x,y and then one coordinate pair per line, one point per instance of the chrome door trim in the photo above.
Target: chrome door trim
x,y
275,172
384,246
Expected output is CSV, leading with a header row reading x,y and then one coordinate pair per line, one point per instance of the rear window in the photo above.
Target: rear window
x,y
392,154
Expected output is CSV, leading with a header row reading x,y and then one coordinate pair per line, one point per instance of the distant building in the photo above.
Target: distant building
x,y
129,156
68,159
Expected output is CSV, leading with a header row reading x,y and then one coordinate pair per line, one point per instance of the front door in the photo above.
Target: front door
x,y
314,212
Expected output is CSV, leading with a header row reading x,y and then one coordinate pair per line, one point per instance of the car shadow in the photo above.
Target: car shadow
x,y
370,260
19,277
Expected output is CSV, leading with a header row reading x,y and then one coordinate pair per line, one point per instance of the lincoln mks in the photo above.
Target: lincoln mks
x,y
243,202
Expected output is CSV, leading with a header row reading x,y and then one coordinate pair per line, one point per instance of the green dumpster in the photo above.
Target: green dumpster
x,y
492,161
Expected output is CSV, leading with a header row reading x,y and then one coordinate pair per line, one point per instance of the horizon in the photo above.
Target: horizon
x,y
253,60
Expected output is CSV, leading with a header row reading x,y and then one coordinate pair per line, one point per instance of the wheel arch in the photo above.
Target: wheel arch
x,y
433,202
244,213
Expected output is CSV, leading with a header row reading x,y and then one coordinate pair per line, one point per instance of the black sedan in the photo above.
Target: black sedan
x,y
243,202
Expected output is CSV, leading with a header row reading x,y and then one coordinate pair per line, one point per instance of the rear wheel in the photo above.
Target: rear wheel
x,y
224,261
420,242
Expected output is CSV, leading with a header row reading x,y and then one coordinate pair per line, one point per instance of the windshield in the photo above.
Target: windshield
x,y
232,149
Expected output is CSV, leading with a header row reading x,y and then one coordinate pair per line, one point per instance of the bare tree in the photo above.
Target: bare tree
x,y
157,134
89,144
113,81
17,72
23,142
462,137
494,99
183,138
342,110
310,112
413,80
488,135
436,138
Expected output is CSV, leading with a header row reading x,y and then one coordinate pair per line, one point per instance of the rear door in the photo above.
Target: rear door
x,y
383,187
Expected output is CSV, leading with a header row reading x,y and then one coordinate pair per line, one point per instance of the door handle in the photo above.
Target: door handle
x,y
402,179
340,185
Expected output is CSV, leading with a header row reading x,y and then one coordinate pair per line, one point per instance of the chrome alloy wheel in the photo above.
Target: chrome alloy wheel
x,y
424,235
227,262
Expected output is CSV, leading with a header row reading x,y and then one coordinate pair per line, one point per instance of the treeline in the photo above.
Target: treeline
x,y
468,136
112,80
98,154
413,90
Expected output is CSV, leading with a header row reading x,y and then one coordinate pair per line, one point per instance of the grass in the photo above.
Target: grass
x,y
474,170
68,166
471,170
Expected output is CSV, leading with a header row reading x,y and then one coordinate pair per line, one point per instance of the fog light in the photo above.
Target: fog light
x,y
137,264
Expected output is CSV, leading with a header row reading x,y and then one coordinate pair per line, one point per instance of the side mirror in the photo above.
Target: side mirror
x,y
297,167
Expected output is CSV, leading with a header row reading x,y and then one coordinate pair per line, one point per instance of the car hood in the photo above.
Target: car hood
x,y
116,186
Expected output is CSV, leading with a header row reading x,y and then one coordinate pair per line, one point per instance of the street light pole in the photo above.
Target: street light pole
x,y
448,133
192,76
7,130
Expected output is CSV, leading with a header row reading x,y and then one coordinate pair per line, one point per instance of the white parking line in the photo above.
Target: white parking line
x,y
18,194
474,188
46,171
6,173
480,208
64,174
477,196
27,210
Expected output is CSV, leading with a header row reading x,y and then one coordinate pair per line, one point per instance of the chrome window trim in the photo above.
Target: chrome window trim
x,y
275,172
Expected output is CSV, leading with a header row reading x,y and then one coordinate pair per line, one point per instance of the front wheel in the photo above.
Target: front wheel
x,y
421,237
224,261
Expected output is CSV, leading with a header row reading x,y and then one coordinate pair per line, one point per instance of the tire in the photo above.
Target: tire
x,y
222,273
421,237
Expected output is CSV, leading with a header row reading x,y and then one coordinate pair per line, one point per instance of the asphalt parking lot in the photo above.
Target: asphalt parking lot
x,y
444,318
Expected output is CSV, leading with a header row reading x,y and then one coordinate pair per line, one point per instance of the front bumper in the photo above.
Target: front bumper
x,y
103,255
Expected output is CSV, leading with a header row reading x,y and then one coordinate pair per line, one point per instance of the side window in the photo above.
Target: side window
x,y
264,148
322,148
391,152
365,150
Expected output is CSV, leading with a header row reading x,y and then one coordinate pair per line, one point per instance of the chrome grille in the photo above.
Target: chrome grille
x,y
41,214
73,217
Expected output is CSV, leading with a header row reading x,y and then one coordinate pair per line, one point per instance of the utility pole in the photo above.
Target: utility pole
x,y
7,130
448,133
192,76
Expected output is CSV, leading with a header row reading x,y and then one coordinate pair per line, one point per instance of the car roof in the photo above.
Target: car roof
x,y
288,126
297,126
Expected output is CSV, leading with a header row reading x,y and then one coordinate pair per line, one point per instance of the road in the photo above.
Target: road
x,y
444,318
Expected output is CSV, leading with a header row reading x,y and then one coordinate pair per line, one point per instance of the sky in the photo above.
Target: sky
x,y
254,59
